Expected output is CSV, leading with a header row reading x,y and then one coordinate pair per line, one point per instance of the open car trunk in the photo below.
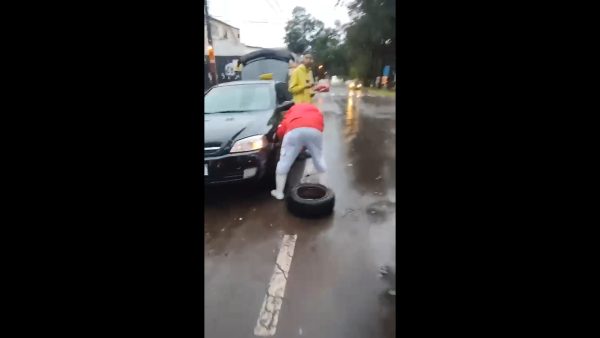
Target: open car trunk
x,y
275,61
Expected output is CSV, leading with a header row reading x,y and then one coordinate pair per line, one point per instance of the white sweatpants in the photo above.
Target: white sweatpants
x,y
292,144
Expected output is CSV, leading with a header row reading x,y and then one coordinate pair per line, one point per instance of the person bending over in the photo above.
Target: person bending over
x,y
301,127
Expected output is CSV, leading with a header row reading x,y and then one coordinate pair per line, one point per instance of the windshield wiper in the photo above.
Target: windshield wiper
x,y
227,111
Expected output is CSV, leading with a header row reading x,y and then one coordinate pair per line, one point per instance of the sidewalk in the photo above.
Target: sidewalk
x,y
381,92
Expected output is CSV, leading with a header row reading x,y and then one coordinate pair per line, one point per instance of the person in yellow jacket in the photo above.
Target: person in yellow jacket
x,y
301,81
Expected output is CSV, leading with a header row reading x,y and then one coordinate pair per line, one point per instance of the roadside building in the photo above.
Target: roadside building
x,y
228,49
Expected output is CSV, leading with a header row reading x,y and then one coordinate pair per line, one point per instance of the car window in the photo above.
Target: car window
x,y
237,98
254,69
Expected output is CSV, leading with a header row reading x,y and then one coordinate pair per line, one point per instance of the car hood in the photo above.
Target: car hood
x,y
223,129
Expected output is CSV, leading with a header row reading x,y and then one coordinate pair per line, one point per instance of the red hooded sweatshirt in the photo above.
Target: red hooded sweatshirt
x,y
301,115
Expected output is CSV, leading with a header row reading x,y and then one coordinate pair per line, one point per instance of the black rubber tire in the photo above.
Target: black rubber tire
x,y
311,208
304,155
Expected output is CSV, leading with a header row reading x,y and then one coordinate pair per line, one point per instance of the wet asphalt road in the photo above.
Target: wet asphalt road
x,y
334,286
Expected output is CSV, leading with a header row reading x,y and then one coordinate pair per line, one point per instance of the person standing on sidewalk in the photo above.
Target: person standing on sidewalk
x,y
301,81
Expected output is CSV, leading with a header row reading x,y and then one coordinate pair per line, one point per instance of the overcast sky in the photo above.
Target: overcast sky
x,y
262,22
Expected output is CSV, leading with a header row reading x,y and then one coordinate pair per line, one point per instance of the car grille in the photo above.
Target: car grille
x,y
225,178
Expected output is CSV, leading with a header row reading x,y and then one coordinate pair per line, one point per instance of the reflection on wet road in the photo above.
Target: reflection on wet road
x,y
335,284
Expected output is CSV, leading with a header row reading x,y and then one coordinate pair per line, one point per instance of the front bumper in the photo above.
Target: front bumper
x,y
233,168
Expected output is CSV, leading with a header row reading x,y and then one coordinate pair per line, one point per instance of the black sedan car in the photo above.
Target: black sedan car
x,y
240,120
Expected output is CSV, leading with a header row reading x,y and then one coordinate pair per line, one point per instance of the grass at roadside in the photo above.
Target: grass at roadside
x,y
381,92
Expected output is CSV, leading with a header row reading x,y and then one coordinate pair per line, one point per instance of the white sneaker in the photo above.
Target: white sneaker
x,y
278,195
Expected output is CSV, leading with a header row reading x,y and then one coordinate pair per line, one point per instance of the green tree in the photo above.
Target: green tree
x,y
304,32
371,37
301,30
360,48
324,46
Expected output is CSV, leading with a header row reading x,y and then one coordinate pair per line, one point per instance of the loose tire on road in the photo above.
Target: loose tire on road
x,y
310,200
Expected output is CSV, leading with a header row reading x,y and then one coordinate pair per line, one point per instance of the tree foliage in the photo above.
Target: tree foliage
x,y
301,30
304,32
371,37
359,49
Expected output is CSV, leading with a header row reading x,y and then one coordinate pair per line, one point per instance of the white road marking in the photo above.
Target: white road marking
x,y
266,325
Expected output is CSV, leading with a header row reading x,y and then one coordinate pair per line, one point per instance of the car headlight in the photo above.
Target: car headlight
x,y
249,144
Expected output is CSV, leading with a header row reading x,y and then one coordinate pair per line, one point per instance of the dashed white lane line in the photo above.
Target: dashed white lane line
x,y
266,325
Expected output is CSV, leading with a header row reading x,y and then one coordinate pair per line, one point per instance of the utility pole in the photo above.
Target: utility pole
x,y
211,51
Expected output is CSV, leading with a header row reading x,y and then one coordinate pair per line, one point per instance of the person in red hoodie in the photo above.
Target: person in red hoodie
x,y
301,127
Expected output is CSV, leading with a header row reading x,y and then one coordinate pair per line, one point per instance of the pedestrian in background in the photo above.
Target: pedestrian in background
x,y
301,81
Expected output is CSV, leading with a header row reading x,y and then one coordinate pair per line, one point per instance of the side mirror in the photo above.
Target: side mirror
x,y
286,105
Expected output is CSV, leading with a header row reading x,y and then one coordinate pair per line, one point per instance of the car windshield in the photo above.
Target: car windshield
x,y
239,98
